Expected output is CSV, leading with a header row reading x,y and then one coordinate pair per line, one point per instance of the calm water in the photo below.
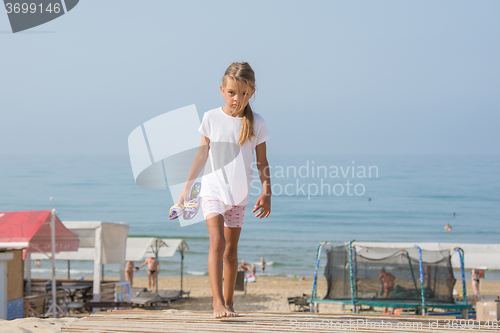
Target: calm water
x,y
412,198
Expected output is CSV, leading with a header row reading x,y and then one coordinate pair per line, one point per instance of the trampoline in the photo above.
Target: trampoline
x,y
389,278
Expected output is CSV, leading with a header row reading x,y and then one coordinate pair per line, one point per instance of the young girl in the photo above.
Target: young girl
x,y
229,137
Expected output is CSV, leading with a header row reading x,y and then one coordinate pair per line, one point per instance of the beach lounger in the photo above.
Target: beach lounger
x,y
136,291
146,298
169,295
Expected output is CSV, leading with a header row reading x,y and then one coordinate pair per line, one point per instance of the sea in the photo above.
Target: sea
x,y
316,198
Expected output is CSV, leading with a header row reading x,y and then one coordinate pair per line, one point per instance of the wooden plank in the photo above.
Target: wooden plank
x,y
15,276
133,321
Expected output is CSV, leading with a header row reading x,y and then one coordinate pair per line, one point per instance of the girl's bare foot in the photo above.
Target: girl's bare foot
x,y
230,311
220,311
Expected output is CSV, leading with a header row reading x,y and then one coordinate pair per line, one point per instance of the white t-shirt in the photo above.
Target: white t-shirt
x,y
232,179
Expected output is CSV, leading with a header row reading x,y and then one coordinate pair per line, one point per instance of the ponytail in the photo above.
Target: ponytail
x,y
246,132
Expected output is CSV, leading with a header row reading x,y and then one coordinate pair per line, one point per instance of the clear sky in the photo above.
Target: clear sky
x,y
377,77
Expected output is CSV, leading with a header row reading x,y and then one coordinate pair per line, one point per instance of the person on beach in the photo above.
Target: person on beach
x,y
427,276
387,281
447,227
233,131
262,265
153,270
382,280
129,272
243,267
475,281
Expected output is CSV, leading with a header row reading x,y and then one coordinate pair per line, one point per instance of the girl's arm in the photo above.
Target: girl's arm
x,y
198,163
264,201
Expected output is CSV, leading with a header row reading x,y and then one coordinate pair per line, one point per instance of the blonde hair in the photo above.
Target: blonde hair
x,y
241,72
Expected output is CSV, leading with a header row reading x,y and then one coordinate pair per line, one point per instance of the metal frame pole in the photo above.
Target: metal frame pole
x,y
351,277
182,267
462,269
422,291
53,307
157,250
355,270
461,254
315,286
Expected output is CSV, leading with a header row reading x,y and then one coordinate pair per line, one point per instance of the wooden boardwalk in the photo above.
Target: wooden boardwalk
x,y
157,321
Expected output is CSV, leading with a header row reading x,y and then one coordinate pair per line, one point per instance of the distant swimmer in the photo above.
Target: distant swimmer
x,y
369,199
453,214
447,227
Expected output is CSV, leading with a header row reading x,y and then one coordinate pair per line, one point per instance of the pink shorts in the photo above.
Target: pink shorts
x,y
233,215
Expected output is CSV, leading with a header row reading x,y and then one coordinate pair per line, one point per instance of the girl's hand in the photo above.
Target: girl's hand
x,y
264,204
184,197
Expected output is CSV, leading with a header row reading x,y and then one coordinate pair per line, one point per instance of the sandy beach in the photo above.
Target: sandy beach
x,y
267,294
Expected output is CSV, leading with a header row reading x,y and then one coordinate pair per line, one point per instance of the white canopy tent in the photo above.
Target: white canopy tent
x,y
103,242
476,256
139,248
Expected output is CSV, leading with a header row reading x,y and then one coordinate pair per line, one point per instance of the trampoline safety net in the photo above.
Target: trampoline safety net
x,y
389,274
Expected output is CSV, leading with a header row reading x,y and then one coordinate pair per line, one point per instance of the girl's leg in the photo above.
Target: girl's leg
x,y
232,236
215,227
